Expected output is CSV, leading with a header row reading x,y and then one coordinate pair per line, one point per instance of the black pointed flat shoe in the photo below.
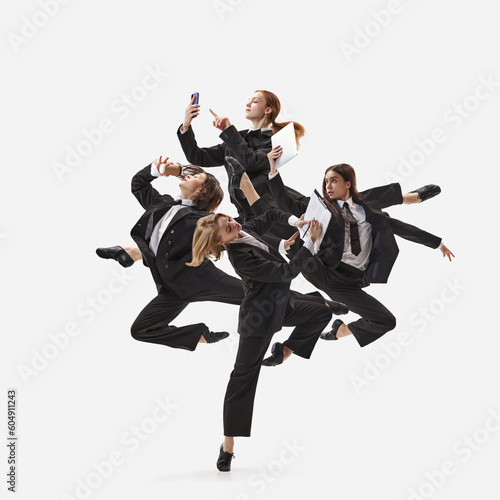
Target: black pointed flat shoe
x,y
115,253
332,334
276,357
337,308
237,171
427,192
212,337
224,460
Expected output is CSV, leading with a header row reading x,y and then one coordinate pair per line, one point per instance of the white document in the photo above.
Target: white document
x,y
319,210
286,139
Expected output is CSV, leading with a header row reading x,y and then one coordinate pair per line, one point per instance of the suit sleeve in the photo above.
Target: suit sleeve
x,y
142,189
283,198
413,233
263,223
249,266
203,157
384,196
253,161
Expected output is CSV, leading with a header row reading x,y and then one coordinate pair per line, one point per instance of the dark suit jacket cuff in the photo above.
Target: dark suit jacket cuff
x,y
229,133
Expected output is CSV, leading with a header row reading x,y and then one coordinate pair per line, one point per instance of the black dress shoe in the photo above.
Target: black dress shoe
x,y
212,337
116,253
427,192
276,357
332,334
337,308
237,171
224,460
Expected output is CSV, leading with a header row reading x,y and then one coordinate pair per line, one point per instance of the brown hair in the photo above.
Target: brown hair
x,y
349,175
211,195
206,241
274,103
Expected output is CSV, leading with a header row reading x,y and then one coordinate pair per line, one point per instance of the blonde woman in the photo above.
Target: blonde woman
x,y
268,305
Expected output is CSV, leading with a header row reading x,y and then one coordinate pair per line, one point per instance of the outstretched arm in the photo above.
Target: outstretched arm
x,y
417,235
384,196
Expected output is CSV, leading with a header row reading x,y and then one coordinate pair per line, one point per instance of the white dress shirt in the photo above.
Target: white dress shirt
x,y
359,261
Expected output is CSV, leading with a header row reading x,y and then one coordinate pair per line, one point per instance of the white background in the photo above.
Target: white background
x,y
379,439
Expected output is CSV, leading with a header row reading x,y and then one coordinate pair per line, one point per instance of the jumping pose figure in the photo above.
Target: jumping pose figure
x,y
164,236
267,307
359,246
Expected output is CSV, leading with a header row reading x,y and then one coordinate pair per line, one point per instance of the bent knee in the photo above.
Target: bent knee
x,y
390,322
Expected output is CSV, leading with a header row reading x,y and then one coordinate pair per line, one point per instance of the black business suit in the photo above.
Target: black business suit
x,y
267,307
177,284
344,283
250,148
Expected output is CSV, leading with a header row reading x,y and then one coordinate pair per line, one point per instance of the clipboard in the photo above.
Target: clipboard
x,y
317,209
286,139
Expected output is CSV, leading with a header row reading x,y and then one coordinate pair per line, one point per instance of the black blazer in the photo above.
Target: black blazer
x,y
266,278
168,267
384,247
250,148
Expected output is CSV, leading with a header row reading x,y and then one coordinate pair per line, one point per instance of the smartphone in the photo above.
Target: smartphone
x,y
196,99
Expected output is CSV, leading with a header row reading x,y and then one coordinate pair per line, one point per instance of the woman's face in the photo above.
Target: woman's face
x,y
228,229
257,107
193,184
336,187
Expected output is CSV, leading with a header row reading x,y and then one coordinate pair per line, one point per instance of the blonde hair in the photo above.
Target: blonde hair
x,y
206,240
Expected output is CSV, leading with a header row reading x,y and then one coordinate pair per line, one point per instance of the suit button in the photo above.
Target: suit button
x,y
169,242
166,255
171,231
166,266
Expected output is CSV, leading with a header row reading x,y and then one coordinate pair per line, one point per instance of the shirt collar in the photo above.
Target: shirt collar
x,y
187,203
350,202
263,131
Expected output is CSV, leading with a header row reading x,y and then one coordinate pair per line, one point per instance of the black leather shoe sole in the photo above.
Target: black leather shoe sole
x,y
427,192
237,171
115,253
337,308
332,334
276,357
212,337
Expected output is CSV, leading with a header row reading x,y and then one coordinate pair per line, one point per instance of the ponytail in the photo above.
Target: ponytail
x,y
273,101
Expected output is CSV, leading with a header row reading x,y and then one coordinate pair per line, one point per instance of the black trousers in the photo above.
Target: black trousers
x,y
310,315
153,323
344,284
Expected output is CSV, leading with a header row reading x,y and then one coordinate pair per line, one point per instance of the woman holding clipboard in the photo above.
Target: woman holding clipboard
x,y
358,247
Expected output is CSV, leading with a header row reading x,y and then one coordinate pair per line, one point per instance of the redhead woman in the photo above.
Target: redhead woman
x,y
250,147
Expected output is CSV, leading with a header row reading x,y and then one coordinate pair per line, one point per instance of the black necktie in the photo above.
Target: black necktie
x,y
353,230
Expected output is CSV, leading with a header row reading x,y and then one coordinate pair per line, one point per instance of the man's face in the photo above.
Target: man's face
x,y
228,229
336,187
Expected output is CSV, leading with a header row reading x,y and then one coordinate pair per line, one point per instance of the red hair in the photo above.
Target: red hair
x,y
274,103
